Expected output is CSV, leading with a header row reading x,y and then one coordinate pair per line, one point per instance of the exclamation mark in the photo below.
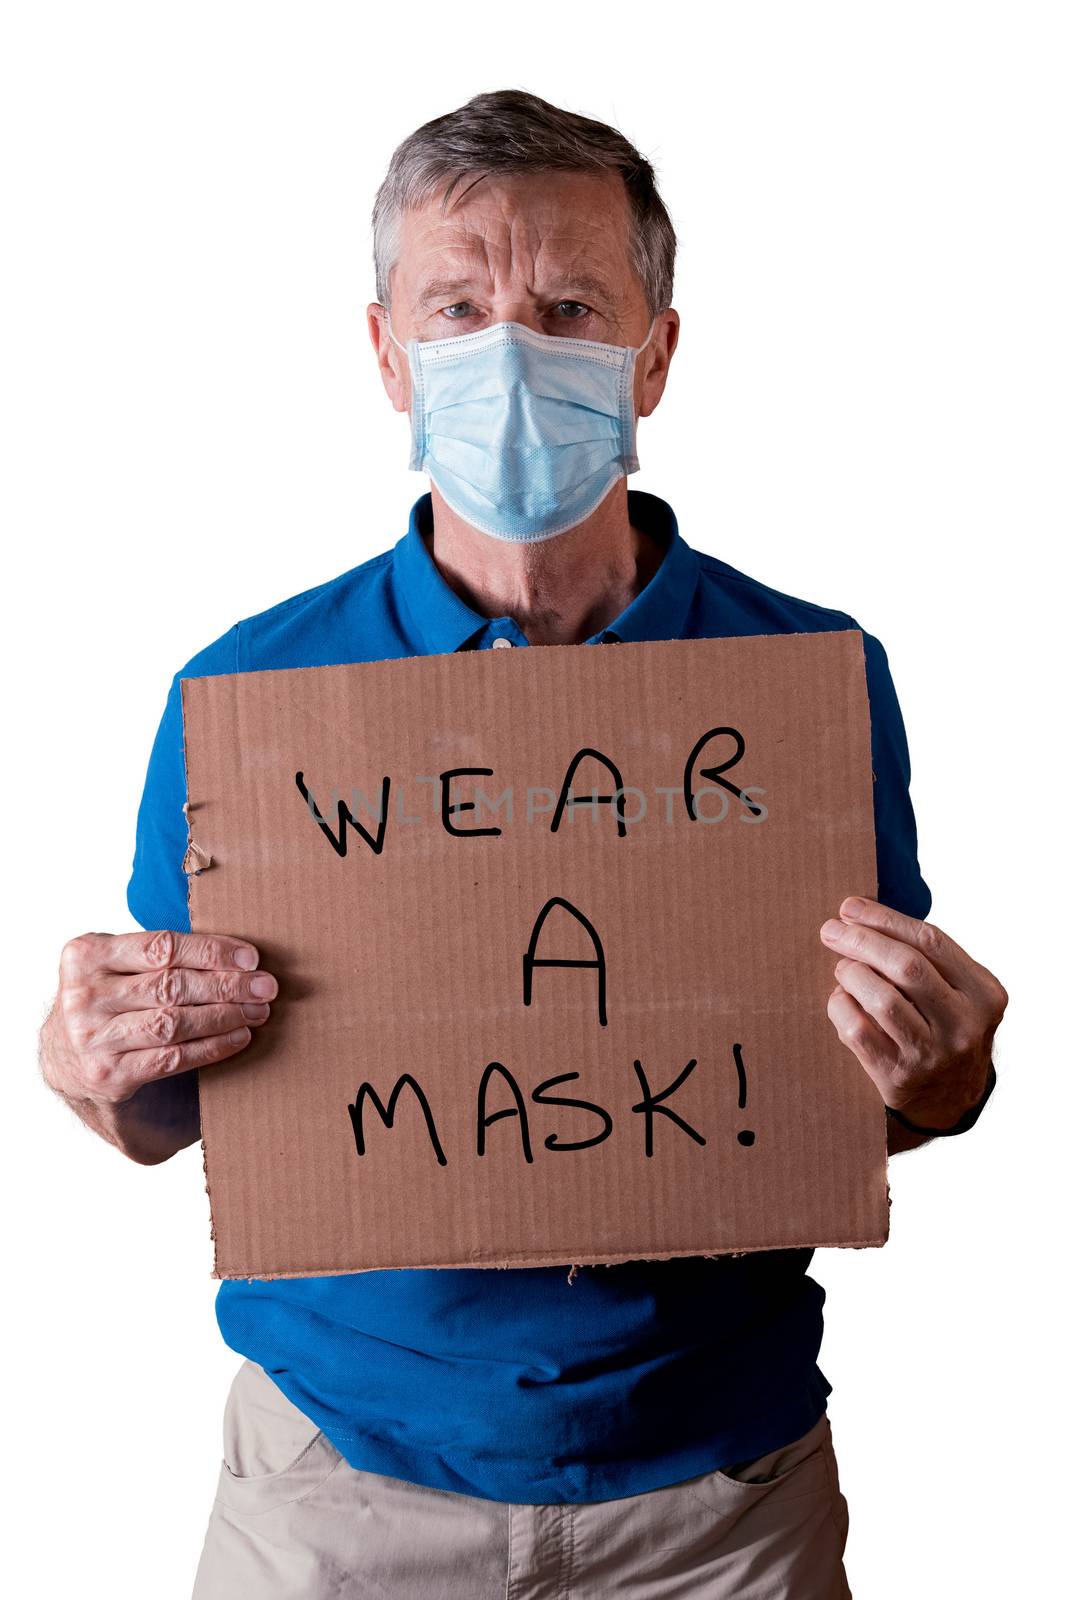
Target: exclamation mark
x,y
747,1136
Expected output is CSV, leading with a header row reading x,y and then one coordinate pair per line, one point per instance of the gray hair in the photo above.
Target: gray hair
x,y
511,130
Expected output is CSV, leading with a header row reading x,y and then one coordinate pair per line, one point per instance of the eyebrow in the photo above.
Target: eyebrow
x,y
578,282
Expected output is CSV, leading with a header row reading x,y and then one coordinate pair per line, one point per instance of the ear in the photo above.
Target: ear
x,y
651,378
392,363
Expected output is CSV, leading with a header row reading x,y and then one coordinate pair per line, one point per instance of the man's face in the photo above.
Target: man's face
x,y
548,250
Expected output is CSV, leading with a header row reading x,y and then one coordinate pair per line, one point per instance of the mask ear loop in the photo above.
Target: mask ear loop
x,y
415,458
630,459
648,336
396,341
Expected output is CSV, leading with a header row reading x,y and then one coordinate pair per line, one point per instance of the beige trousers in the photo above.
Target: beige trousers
x,y
292,1519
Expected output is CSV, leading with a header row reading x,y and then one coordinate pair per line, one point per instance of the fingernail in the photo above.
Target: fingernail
x,y
852,907
240,1036
263,986
256,1013
832,929
245,957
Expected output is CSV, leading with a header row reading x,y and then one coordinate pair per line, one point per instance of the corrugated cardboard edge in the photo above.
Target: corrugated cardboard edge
x,y
194,861
620,1258
858,634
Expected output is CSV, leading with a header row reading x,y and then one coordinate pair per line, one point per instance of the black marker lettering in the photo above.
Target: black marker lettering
x,y
715,774
616,798
367,1091
518,1110
553,1142
746,1137
345,820
530,961
448,810
650,1103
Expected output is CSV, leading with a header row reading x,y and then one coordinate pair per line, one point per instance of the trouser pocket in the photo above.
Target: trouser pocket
x,y
272,1452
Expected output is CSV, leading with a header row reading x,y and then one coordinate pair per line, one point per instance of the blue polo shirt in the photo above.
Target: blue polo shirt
x,y
518,1385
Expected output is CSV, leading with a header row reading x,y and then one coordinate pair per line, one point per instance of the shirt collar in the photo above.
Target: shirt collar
x,y
445,623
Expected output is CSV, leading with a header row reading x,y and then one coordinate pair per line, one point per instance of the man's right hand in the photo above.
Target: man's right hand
x,y
135,1013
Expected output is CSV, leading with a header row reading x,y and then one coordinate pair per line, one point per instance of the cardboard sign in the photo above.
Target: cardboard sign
x,y
546,928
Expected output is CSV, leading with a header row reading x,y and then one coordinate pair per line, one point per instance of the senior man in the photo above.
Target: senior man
x,y
657,1428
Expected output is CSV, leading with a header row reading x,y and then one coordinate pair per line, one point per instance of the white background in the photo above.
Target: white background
x,y
867,409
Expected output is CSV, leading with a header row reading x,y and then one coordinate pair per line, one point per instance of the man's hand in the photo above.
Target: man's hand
x,y
917,1012
135,1013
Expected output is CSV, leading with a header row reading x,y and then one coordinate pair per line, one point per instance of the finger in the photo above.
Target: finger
x,y
138,1067
886,1005
875,1051
147,1030
903,965
146,952
953,963
181,986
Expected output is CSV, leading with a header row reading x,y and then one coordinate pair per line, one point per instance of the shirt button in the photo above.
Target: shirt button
x,y
502,644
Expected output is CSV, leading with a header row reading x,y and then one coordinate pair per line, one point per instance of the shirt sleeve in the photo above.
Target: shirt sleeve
x,y
901,884
157,893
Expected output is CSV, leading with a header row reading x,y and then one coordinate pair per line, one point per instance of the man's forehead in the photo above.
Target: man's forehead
x,y
571,229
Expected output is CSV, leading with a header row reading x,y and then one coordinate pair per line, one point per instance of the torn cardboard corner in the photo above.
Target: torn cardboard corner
x,y
546,929
195,859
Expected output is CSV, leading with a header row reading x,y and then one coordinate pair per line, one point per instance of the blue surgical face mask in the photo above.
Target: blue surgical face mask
x,y
522,433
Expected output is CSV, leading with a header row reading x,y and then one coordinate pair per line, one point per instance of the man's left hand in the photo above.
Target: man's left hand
x,y
917,1012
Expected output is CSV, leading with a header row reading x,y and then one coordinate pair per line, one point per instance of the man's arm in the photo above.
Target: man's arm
x,y
137,1013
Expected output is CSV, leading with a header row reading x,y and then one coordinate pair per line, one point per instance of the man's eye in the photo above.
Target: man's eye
x,y
569,307
461,305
